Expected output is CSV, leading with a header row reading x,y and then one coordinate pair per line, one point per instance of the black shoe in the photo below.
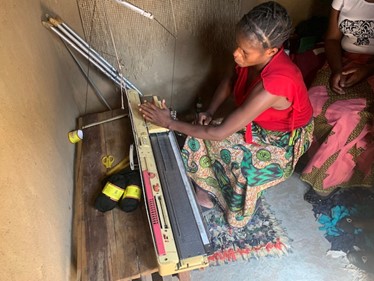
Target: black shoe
x,y
314,198
346,224
362,259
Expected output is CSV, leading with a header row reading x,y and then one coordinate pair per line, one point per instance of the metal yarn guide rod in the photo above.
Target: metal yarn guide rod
x,y
93,85
82,47
135,9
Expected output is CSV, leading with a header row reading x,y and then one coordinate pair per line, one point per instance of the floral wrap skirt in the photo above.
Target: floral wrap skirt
x,y
235,172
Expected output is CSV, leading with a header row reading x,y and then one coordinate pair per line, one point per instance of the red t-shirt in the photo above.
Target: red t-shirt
x,y
280,77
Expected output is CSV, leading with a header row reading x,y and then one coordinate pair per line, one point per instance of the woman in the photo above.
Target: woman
x,y
342,98
258,144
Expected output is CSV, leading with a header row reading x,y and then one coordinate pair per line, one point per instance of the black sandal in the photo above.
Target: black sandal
x,y
349,224
362,259
346,224
314,198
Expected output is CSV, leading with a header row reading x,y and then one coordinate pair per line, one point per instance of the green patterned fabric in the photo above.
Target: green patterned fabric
x,y
236,173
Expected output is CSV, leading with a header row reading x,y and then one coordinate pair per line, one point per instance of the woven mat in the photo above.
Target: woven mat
x,y
262,237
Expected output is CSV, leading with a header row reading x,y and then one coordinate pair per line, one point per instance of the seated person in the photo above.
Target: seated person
x,y
258,144
342,154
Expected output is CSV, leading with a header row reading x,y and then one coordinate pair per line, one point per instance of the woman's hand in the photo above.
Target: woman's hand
x,y
348,78
204,118
355,75
336,82
158,116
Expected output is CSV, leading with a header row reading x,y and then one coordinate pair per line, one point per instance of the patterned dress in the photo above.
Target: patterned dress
x,y
342,154
235,172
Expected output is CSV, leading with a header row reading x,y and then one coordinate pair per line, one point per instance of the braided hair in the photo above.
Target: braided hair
x,y
268,23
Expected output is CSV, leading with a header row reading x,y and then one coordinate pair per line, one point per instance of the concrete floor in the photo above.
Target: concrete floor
x,y
308,261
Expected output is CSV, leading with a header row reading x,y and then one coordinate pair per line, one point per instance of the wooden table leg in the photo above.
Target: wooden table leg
x,y
167,278
184,276
147,277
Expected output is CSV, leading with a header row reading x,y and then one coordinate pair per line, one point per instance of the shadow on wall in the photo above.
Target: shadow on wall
x,y
216,46
204,31
99,92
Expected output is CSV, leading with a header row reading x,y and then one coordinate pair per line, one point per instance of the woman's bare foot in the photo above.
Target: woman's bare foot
x,y
323,194
316,197
204,199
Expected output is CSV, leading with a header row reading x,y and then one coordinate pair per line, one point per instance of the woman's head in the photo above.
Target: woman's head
x,y
265,28
268,23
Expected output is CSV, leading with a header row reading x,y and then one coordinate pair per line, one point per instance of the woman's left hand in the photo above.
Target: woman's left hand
x,y
355,75
158,116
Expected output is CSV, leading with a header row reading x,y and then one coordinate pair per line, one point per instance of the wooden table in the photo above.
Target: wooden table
x,y
113,245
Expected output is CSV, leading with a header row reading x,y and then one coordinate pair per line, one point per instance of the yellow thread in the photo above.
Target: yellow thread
x,y
113,191
290,142
132,191
75,136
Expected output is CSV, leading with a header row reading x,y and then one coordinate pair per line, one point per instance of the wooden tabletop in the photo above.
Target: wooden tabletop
x,y
113,245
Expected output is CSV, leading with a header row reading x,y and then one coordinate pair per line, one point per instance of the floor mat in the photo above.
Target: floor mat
x,y
263,236
354,202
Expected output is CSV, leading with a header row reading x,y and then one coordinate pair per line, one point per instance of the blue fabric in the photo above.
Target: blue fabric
x,y
355,203
329,222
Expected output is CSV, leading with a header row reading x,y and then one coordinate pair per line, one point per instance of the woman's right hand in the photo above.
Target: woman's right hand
x,y
204,118
336,80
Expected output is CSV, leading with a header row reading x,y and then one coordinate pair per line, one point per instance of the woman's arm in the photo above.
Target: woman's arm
x,y
222,92
257,102
334,51
333,42
341,77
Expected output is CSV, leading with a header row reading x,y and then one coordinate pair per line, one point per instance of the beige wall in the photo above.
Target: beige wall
x,y
182,67
37,87
298,10
43,92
